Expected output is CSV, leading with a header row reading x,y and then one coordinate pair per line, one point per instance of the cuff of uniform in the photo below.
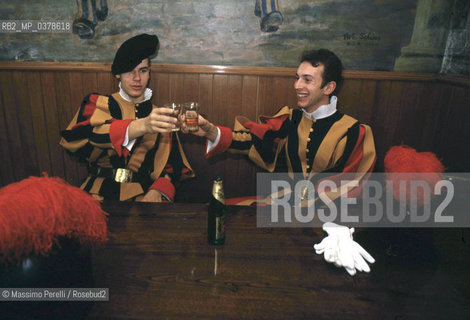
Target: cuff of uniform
x,y
165,187
224,142
117,133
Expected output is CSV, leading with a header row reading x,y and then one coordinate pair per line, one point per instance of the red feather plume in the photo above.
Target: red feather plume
x,y
403,163
36,211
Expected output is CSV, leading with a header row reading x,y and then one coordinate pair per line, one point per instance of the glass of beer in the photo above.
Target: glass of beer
x,y
191,112
176,112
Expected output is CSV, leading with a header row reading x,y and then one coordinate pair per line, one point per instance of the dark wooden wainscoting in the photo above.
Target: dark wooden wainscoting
x,y
426,111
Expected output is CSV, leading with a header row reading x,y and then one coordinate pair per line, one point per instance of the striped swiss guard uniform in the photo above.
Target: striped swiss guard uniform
x,y
297,142
97,135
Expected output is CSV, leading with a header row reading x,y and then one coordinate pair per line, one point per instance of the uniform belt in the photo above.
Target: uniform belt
x,y
118,174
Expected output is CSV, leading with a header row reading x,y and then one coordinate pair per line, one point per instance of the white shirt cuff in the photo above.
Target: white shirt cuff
x,y
211,145
128,144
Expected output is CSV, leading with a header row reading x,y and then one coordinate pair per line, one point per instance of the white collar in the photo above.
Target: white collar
x,y
323,111
125,96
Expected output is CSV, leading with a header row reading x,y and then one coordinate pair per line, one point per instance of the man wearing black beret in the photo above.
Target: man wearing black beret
x,y
125,139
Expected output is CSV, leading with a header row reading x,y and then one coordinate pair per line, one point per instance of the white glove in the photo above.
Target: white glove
x,y
340,248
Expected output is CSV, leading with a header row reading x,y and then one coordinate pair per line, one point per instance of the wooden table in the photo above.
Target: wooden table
x,y
159,265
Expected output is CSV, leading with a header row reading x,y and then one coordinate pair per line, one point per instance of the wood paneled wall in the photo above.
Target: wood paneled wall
x,y
37,100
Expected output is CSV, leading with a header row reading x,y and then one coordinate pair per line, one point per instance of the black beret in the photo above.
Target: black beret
x,y
131,53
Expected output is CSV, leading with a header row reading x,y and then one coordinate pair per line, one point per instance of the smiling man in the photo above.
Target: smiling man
x,y
127,142
313,138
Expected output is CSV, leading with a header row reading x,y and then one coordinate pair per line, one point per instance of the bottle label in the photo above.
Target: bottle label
x,y
219,228
191,124
218,192
191,121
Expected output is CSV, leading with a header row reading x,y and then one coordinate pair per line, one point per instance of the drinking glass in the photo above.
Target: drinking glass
x,y
191,112
176,112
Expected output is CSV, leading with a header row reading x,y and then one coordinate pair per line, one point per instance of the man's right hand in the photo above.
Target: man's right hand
x,y
158,121
206,128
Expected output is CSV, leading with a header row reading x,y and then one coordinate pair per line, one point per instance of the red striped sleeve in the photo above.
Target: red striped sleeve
x,y
260,130
224,142
117,133
88,110
356,155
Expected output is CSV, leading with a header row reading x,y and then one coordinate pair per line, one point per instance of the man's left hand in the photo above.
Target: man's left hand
x,y
151,196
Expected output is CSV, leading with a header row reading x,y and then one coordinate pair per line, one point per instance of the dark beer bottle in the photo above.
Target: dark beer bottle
x,y
216,214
